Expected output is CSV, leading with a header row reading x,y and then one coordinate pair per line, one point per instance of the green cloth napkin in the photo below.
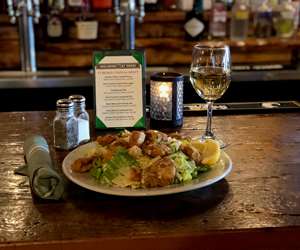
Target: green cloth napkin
x,y
45,182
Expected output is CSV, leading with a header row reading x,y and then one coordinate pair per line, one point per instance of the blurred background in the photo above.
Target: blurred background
x,y
46,46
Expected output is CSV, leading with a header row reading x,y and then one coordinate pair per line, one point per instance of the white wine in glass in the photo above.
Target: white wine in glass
x,y
210,75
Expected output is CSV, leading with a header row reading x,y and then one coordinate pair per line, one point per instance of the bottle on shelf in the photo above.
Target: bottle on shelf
x,y
218,19
152,5
169,4
55,24
86,24
285,19
228,4
273,3
185,5
262,20
60,4
239,20
207,5
101,5
254,4
195,25
74,5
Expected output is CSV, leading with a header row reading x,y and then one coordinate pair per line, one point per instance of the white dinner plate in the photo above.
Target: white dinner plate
x,y
218,172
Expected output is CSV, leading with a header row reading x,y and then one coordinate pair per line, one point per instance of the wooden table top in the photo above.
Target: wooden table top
x,y
256,207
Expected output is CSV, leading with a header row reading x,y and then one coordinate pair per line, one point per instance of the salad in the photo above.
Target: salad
x,y
146,159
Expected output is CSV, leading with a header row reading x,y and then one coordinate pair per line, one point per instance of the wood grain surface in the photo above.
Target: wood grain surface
x,y
256,207
165,51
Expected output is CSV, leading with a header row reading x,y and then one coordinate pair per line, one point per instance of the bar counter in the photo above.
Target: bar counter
x,y
257,206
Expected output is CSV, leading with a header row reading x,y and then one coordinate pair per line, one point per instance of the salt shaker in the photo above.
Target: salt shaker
x,y
65,127
82,118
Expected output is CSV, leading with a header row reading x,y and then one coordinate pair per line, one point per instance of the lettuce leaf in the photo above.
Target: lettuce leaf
x,y
111,169
186,170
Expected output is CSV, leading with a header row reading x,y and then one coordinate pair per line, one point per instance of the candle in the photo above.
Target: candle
x,y
166,100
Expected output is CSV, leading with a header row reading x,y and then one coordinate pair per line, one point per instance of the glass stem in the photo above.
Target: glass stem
x,y
208,131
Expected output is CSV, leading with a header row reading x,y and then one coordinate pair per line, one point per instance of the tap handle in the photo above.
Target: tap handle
x,y
141,10
117,11
19,7
36,13
11,11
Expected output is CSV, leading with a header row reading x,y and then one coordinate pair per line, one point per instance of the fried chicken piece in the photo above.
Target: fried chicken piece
x,y
136,138
135,151
178,136
82,165
119,142
160,173
154,136
191,152
106,154
155,150
135,175
106,139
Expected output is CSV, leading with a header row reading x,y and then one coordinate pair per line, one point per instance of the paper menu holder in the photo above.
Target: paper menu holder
x,y
119,89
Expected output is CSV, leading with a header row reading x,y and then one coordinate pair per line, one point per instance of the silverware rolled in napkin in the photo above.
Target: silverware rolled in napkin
x,y
45,182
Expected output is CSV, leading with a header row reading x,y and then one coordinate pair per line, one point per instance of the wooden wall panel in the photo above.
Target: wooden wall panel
x,y
161,34
9,45
9,54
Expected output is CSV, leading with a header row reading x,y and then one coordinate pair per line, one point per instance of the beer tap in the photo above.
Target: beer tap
x,y
11,11
126,13
25,12
36,11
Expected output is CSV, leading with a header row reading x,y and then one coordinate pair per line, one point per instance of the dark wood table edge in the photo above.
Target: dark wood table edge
x,y
264,238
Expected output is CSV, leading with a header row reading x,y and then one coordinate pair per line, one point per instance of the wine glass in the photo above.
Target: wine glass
x,y
210,77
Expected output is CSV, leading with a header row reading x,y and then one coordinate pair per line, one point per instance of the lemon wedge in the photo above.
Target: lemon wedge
x,y
211,152
200,146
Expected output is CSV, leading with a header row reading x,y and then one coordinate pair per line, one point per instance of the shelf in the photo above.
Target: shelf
x,y
166,51
165,16
181,43
158,16
250,43
150,17
109,17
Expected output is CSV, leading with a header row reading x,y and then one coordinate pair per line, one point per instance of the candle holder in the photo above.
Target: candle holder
x,y
166,100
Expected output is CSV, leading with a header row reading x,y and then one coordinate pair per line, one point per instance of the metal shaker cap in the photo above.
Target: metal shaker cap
x,y
64,103
77,98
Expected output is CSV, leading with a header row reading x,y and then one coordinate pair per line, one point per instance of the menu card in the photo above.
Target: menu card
x,y
119,89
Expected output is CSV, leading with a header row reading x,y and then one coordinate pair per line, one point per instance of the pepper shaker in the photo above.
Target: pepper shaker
x,y
65,127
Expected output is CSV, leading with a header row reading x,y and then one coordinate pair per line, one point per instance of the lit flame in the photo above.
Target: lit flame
x,y
164,90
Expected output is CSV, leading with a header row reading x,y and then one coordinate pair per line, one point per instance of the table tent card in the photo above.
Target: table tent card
x,y
119,89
